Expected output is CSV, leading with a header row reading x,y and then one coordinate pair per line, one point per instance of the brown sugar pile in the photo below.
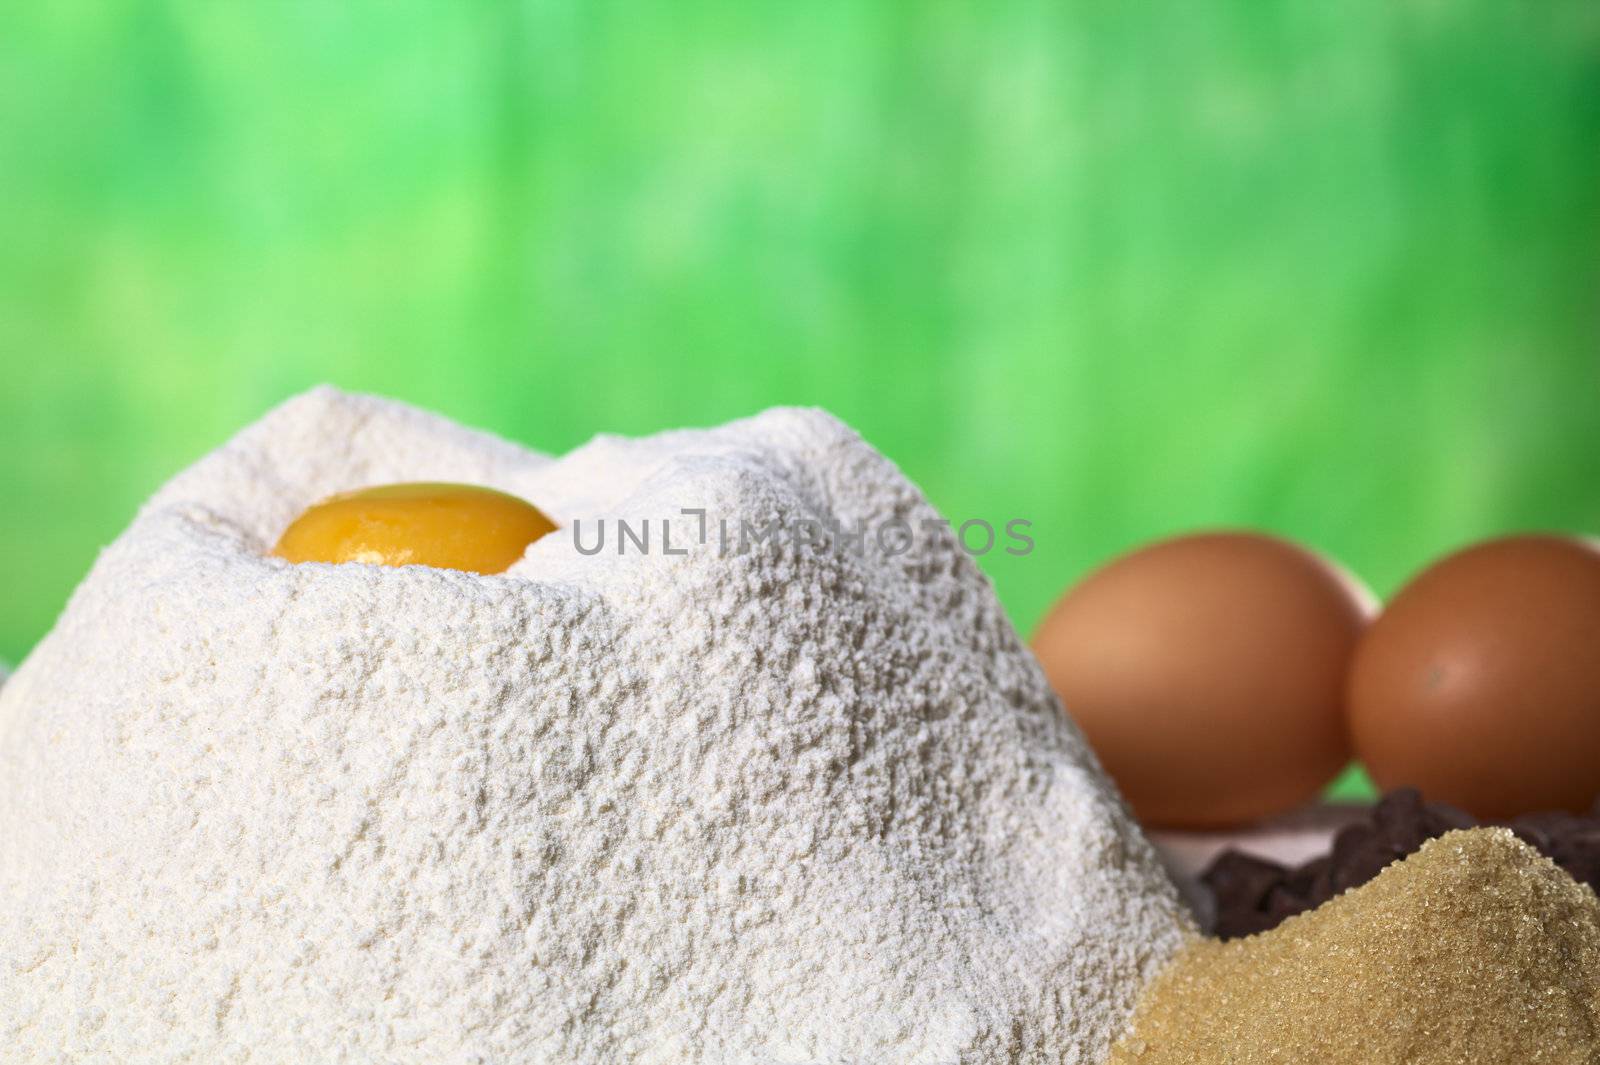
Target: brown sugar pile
x,y
1474,949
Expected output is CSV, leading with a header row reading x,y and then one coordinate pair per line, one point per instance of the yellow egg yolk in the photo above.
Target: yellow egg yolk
x,y
451,526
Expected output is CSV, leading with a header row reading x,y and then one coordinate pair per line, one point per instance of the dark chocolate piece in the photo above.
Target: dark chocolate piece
x,y
1253,895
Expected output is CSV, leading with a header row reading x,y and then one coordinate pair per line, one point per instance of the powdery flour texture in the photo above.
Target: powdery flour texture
x,y
803,804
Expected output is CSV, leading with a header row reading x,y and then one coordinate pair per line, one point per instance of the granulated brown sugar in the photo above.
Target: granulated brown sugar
x,y
1475,949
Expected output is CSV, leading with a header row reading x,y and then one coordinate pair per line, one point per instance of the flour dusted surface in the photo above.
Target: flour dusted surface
x,y
799,805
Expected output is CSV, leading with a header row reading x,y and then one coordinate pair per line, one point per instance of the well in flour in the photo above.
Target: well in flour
x,y
785,806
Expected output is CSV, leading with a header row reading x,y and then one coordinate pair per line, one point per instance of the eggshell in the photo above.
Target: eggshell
x,y
1208,673
1480,683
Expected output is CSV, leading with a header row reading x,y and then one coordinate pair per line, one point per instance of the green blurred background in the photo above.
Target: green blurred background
x,y
1122,269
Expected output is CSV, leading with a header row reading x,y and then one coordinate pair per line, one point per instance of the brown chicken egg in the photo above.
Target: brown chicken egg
x,y
1208,673
1480,683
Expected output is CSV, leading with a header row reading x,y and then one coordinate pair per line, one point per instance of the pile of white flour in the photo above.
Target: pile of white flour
x,y
798,805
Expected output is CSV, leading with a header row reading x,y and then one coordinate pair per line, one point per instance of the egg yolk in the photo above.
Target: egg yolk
x,y
451,526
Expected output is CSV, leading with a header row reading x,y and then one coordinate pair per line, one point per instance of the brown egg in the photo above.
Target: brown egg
x,y
1480,684
1208,673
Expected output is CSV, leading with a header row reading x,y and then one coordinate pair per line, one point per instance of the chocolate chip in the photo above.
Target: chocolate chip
x,y
1360,852
1532,837
1241,881
1441,817
1312,879
1400,809
1254,895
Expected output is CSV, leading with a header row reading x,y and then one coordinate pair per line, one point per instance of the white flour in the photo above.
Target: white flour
x,y
791,806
